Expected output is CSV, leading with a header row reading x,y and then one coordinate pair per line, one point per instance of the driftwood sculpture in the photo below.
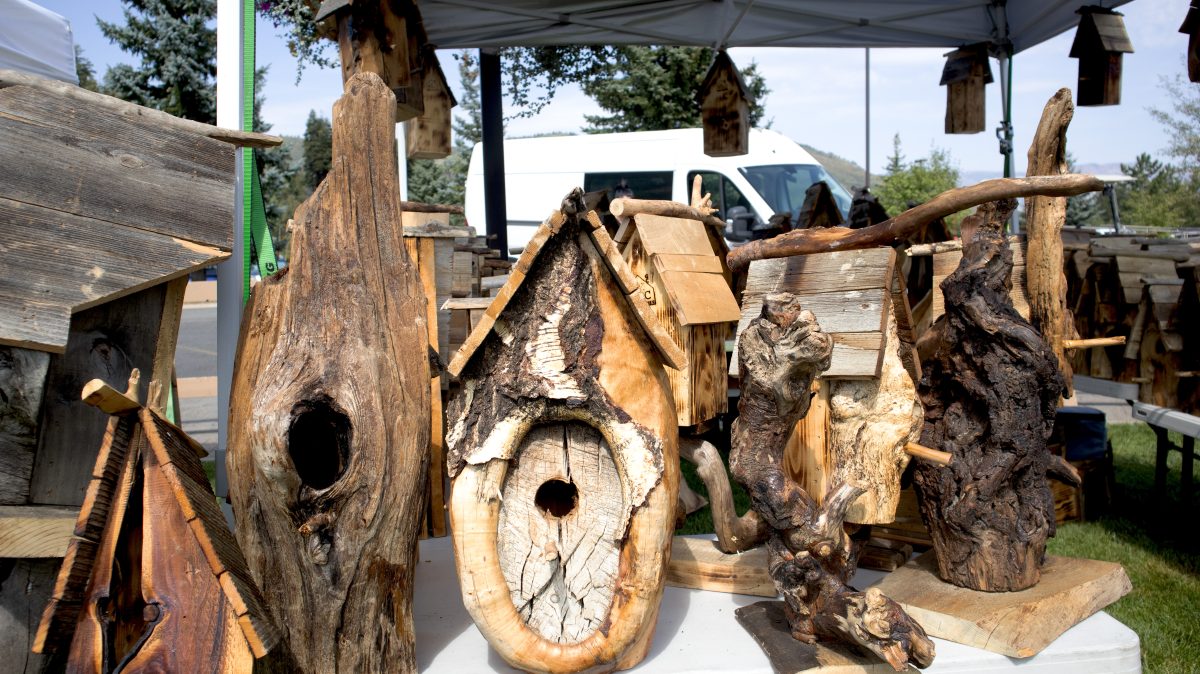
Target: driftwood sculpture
x,y
329,413
990,387
811,557
820,209
562,452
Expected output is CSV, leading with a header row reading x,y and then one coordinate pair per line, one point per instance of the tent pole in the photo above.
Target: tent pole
x,y
867,162
492,112
1005,132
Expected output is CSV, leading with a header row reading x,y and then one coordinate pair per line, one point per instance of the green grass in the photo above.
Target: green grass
x,y
1156,543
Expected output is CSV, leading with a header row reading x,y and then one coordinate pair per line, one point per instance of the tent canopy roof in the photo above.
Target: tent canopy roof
x,y
750,23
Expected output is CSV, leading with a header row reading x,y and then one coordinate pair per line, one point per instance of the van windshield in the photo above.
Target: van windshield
x,y
782,186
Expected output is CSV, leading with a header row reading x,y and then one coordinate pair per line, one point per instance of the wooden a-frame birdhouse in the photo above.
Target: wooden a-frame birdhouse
x,y
965,75
152,579
687,288
724,109
1100,42
428,136
562,451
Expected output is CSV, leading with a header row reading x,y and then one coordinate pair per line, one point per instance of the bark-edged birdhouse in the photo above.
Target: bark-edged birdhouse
x,y
1100,42
385,37
1191,28
152,578
689,293
965,75
563,458
428,136
724,109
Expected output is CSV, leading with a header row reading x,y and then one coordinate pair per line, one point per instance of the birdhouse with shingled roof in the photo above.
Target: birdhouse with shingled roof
x,y
965,76
724,109
1100,43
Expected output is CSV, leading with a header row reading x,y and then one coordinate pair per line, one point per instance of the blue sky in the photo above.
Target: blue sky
x,y
816,94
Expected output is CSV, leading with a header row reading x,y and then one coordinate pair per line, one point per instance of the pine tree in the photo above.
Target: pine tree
x,y
318,149
916,182
85,71
177,45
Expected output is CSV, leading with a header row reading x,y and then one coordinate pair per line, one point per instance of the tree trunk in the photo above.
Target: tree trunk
x,y
989,389
329,413
811,558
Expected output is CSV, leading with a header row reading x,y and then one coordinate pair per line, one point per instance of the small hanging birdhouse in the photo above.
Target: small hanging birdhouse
x,y
1100,41
1191,28
724,109
966,73
384,37
428,136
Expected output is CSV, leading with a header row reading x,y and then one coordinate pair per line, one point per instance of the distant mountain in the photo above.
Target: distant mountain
x,y
972,177
843,170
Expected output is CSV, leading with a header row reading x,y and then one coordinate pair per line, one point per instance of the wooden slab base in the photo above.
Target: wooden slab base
x,y
1016,624
766,622
696,563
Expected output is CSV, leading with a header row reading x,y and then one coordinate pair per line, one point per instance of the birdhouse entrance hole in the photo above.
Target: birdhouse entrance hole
x,y
319,442
557,498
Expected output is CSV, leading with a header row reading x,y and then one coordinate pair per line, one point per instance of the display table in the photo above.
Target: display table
x,y
698,633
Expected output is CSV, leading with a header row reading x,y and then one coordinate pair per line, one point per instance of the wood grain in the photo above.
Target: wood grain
x,y
697,563
22,383
35,531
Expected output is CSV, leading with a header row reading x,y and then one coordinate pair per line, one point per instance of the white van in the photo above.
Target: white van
x,y
746,189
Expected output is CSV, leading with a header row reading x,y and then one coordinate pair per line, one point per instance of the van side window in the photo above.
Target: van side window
x,y
725,194
637,184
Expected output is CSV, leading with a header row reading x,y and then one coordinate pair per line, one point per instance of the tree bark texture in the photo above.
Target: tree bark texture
x,y
562,452
990,388
811,557
1045,216
805,241
329,413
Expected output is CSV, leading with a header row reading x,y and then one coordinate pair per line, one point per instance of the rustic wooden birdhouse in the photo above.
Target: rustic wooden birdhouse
x,y
385,37
1100,42
865,409
686,287
152,579
563,458
1191,28
965,75
428,136
724,109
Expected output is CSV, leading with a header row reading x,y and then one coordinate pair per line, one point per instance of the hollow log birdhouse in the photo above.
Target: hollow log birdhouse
x,y
563,459
152,579
965,76
329,419
428,136
385,37
724,109
686,287
1100,42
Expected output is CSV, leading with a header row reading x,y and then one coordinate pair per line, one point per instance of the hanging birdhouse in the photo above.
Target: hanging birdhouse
x,y
428,136
384,37
966,73
1100,42
1191,28
562,452
724,109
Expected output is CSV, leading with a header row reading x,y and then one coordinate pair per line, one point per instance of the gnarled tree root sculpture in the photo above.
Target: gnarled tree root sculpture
x,y
811,558
990,387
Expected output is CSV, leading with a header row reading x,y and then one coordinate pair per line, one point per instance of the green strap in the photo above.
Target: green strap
x,y
256,237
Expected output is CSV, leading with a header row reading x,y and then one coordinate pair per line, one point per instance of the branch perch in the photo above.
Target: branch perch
x,y
734,534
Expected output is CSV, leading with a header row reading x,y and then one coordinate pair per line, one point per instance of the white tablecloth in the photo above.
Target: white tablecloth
x,y
697,633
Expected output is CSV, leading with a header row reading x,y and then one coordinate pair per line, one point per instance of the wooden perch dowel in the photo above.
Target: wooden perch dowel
x,y
931,455
1092,343
806,241
625,207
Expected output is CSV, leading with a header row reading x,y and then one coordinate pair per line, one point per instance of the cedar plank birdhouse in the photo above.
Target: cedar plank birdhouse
x,y
724,109
428,136
563,457
1100,42
966,73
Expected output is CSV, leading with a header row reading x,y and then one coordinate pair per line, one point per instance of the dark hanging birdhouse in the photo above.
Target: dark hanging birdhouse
x,y
1191,28
1100,41
724,109
428,136
966,73
384,37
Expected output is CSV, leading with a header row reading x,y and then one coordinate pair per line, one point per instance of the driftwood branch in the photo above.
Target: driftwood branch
x,y
625,207
419,207
810,556
806,241
734,534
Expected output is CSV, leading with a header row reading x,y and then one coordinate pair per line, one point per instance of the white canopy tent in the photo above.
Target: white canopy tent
x,y
37,41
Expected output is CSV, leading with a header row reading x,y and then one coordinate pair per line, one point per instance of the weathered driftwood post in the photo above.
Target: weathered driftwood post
x,y
562,451
811,557
329,413
989,389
